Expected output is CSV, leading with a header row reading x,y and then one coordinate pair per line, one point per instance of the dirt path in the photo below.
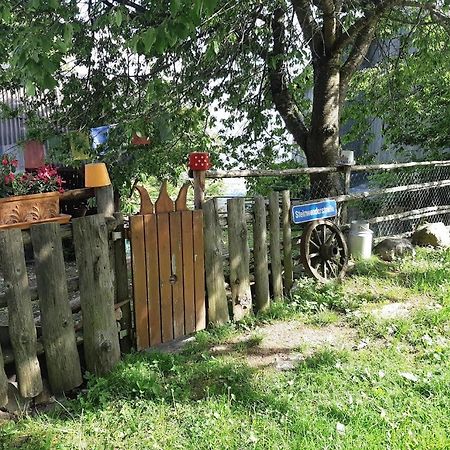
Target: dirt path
x,y
282,345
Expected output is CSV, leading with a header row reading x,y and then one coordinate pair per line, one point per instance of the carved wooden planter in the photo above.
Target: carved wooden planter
x,y
25,210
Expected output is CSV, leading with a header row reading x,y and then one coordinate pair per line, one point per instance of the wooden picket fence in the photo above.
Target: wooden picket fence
x,y
173,249
254,273
103,292
392,198
168,269
256,265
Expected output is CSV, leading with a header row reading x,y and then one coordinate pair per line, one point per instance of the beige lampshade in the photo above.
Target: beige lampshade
x,y
96,175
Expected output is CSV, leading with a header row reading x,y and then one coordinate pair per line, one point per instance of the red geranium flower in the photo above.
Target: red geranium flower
x,y
9,178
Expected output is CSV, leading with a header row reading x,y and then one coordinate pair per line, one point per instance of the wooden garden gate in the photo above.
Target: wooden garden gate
x,y
168,269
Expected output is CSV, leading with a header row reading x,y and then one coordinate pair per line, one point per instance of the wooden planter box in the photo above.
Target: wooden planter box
x,y
25,210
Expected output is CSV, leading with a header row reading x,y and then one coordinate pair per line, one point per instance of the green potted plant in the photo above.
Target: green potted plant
x,y
27,198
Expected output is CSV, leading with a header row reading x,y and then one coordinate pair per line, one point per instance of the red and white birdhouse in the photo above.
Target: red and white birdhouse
x,y
199,161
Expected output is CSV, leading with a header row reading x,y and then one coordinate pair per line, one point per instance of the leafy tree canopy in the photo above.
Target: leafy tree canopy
x,y
276,73
94,63
408,88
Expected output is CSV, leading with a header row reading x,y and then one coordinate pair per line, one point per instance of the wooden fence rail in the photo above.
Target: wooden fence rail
x,y
275,248
20,313
61,354
262,294
101,340
266,267
212,174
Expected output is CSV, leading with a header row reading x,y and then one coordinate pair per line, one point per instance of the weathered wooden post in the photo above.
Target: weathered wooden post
x,y
345,166
199,163
122,294
97,177
215,281
287,241
262,295
3,381
101,340
20,313
199,188
61,354
239,259
104,197
275,250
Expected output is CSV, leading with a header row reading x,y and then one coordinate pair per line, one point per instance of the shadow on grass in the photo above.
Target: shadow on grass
x,y
374,267
322,358
41,440
159,376
377,298
425,280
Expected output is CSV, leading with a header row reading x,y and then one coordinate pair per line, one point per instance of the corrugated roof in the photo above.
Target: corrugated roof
x,y
13,130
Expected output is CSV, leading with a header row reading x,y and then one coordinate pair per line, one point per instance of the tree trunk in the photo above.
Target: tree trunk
x,y
322,147
321,141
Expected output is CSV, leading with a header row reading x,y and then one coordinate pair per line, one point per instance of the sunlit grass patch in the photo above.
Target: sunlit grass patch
x,y
323,317
392,392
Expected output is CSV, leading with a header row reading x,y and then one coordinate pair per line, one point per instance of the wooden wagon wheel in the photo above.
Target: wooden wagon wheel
x,y
323,251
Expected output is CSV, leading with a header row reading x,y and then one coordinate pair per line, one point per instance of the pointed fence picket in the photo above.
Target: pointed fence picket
x,y
168,269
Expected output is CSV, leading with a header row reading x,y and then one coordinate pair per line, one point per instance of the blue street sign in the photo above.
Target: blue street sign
x,y
313,211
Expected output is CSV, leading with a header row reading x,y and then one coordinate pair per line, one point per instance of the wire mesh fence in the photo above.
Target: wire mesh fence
x,y
400,199
394,199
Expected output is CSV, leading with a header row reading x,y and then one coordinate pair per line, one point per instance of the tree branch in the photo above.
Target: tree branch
x,y
281,95
435,14
361,45
329,26
355,58
310,27
135,6
370,17
108,3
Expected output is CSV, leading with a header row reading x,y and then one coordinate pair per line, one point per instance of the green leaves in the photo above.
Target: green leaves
x,y
148,39
68,34
215,46
30,88
118,17
53,4
5,13
209,5
48,82
175,6
34,4
409,93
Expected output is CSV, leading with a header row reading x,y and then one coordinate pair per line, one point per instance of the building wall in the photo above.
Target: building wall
x,y
30,154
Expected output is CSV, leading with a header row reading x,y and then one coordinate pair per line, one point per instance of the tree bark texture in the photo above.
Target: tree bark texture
x,y
20,313
336,53
322,148
101,340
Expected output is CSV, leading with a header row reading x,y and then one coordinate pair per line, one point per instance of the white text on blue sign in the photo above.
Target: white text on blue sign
x,y
314,211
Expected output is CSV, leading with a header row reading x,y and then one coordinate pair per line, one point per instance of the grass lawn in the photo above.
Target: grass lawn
x,y
372,374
